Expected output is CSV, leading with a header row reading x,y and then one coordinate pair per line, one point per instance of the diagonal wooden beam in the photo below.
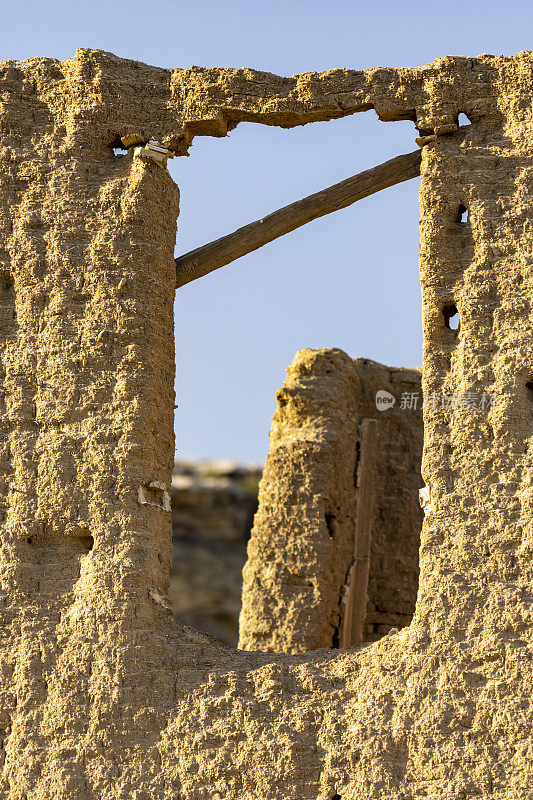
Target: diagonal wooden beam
x,y
214,255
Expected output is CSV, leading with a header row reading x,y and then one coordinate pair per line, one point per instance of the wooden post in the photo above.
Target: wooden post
x,y
214,255
356,599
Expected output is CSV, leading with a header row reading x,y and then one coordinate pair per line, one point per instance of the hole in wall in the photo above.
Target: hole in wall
x,y
154,494
8,313
451,317
462,214
463,120
529,387
6,281
330,525
281,398
118,148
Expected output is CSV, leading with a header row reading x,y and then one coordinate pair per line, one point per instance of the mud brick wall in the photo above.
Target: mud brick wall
x,y
101,693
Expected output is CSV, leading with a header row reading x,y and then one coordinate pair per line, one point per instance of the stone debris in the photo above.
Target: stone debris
x,y
424,141
164,602
154,494
154,151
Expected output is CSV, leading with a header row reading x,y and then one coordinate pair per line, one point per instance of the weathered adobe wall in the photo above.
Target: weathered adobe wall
x,y
302,544
101,694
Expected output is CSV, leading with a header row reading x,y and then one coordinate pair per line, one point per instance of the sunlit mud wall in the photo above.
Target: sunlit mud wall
x,y
101,693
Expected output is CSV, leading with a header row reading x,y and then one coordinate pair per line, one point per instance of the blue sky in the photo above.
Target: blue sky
x,y
349,280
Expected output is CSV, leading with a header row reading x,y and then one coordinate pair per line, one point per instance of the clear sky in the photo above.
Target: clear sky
x,y
349,280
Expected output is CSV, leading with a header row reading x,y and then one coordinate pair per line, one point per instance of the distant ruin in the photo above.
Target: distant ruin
x,y
213,507
102,695
302,547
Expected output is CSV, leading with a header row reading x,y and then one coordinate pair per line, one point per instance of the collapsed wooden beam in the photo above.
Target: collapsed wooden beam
x,y
214,255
